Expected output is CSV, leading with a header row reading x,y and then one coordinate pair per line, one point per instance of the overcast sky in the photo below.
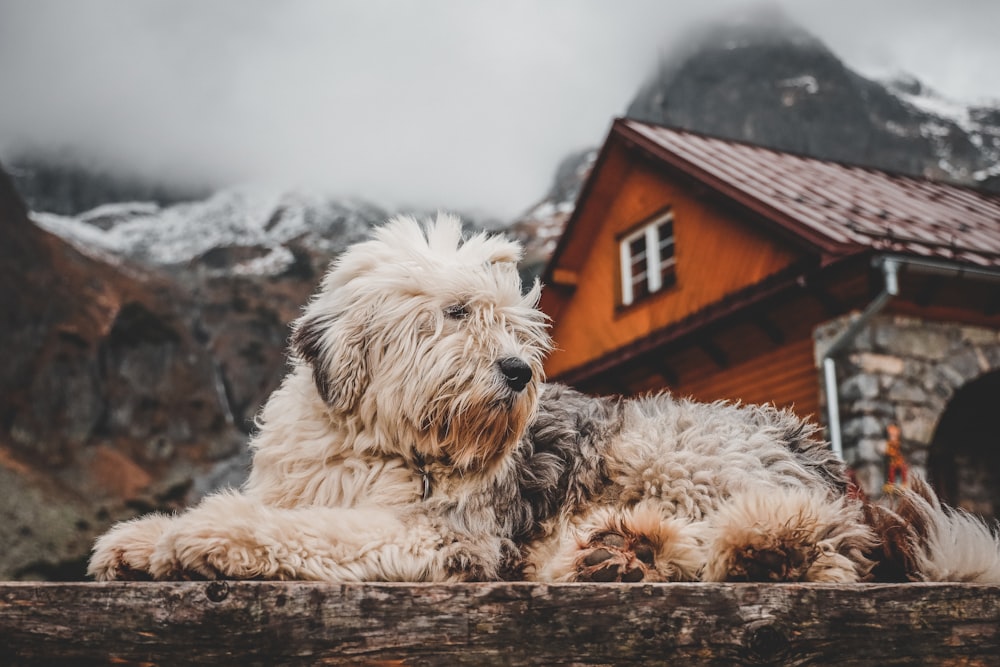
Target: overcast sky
x,y
464,104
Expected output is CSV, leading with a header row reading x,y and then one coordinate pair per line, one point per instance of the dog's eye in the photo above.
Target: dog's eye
x,y
458,311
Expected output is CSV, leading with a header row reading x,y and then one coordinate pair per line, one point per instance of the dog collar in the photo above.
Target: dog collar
x,y
425,476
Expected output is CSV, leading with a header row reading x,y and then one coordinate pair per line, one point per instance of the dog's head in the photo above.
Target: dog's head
x,y
426,341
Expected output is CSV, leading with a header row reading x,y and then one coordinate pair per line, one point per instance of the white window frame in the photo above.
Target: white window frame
x,y
654,265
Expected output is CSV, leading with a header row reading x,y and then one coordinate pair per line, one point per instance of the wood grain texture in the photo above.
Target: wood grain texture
x,y
275,623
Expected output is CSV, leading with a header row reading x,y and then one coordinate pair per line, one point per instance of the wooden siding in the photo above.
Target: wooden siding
x,y
785,376
715,254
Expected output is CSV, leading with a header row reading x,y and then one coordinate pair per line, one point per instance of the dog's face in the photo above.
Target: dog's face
x,y
428,342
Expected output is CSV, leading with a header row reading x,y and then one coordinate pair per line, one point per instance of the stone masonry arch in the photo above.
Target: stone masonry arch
x,y
903,370
964,456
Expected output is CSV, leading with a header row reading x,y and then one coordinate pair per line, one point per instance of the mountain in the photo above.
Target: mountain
x,y
239,230
539,227
109,403
247,259
762,79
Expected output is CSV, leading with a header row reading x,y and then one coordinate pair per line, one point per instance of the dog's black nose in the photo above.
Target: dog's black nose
x,y
515,372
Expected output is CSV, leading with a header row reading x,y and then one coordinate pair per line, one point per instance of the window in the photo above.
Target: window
x,y
647,259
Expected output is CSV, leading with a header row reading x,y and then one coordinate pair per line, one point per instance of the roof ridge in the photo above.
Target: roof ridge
x,y
838,208
805,156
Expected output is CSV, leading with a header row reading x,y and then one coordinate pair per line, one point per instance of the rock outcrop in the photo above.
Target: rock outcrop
x,y
108,401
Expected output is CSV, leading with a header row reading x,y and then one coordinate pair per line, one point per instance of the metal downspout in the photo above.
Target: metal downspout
x,y
890,272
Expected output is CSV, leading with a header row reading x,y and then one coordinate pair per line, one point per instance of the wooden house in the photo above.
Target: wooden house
x,y
723,270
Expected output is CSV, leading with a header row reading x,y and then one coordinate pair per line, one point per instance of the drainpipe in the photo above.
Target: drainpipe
x,y
890,273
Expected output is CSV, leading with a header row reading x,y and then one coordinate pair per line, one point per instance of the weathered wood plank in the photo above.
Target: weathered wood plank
x,y
272,623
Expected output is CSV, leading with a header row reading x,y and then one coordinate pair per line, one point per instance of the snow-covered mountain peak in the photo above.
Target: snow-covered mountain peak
x,y
248,217
942,117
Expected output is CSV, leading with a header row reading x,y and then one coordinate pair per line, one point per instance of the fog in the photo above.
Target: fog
x,y
436,103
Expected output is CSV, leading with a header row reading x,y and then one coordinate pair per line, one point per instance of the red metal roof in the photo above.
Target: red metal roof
x,y
838,207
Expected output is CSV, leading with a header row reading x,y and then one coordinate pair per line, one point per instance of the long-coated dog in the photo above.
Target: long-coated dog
x,y
414,440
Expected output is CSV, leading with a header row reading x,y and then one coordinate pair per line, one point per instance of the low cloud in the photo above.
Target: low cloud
x,y
438,103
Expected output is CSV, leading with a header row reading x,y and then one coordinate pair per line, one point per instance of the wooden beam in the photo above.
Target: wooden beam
x,y
831,304
565,277
617,385
666,371
770,329
714,352
300,623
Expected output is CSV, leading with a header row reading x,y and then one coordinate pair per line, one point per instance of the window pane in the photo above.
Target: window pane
x,y
666,233
639,267
667,271
640,287
637,246
666,248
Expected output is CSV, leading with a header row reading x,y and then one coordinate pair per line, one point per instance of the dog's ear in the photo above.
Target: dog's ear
x,y
335,349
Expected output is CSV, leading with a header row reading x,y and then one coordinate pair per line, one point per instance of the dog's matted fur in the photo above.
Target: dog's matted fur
x,y
414,440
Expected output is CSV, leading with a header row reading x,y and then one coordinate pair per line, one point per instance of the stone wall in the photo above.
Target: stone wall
x,y
905,371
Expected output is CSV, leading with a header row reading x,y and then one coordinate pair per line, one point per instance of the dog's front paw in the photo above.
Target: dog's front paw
x,y
189,552
612,556
125,552
476,560
227,536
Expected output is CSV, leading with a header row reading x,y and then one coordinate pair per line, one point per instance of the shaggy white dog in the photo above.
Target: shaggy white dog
x,y
413,440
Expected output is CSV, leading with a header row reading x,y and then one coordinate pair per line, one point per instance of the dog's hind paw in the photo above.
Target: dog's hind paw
x,y
787,535
612,556
770,558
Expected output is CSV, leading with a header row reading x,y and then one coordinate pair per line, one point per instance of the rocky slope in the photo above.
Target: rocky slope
x,y
109,404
